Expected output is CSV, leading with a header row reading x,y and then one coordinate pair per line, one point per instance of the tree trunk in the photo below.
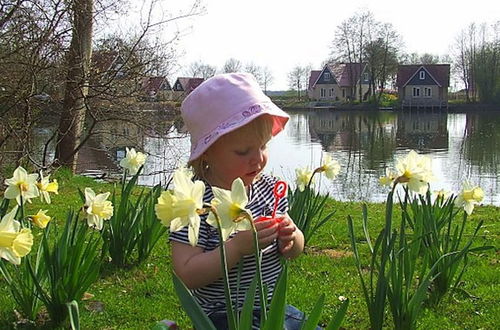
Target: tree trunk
x,y
72,119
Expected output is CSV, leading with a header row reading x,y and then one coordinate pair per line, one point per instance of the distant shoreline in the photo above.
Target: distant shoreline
x,y
454,108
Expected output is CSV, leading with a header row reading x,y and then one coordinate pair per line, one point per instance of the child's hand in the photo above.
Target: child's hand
x,y
287,234
267,232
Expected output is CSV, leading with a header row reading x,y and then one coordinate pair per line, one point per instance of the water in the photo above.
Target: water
x,y
462,146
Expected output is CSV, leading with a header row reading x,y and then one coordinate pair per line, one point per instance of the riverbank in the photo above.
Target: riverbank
x,y
138,297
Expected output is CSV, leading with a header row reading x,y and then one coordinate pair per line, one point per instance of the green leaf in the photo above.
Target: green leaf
x,y
246,316
74,315
336,322
313,319
276,315
191,307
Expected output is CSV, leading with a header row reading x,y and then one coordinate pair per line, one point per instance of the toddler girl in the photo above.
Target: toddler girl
x,y
230,121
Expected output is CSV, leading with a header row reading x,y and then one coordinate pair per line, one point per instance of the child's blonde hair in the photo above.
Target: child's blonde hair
x,y
260,128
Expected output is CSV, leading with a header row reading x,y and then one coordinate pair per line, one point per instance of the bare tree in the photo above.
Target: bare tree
x,y
267,78
295,79
255,70
231,65
201,70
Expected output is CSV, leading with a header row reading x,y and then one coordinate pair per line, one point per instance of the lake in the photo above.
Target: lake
x,y
463,146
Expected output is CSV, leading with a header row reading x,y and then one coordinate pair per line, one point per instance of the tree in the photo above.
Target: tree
x,y
255,70
296,79
201,70
232,65
76,89
267,78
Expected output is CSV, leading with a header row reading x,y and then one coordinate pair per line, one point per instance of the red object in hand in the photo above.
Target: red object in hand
x,y
268,217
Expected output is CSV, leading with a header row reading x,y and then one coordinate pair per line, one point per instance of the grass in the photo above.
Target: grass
x,y
138,297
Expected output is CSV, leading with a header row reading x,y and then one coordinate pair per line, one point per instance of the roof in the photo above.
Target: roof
x,y
439,72
347,74
188,84
102,61
154,84
313,78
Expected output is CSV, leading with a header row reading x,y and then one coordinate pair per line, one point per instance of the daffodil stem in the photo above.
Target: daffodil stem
x,y
229,303
258,257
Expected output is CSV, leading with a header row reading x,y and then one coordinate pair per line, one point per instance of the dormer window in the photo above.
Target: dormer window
x,y
365,76
327,76
422,74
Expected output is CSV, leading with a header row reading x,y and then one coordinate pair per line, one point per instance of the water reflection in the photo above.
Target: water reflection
x,y
462,146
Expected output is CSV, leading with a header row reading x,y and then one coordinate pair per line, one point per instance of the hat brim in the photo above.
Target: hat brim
x,y
280,118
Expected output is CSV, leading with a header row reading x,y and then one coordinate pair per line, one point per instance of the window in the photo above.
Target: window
x,y
331,93
327,76
365,76
343,93
416,91
422,74
427,92
322,92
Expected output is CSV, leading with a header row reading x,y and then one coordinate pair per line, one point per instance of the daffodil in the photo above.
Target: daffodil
x,y
230,206
14,243
416,171
303,176
133,160
21,186
98,208
164,208
469,196
444,194
45,187
186,205
388,179
330,167
40,219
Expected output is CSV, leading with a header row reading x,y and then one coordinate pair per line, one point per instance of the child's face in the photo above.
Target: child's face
x,y
235,155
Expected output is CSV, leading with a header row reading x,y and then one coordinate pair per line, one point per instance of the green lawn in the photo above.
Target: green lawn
x,y
136,298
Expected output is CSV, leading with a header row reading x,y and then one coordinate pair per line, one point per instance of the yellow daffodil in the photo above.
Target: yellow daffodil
x,y
14,243
416,171
184,207
98,208
303,176
469,196
230,206
21,185
164,208
45,187
133,160
41,219
330,167
388,179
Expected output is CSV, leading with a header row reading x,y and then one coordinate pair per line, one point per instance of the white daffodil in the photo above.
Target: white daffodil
x,y
14,243
98,208
469,196
416,171
230,206
133,160
45,187
442,193
21,185
40,219
303,176
186,205
330,167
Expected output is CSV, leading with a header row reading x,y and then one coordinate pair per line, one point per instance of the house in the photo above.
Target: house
x,y
105,63
339,82
156,88
184,85
423,85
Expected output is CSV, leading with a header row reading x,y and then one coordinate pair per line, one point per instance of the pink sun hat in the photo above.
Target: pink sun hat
x,y
224,103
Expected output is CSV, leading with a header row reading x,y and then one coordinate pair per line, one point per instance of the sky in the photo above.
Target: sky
x,y
281,34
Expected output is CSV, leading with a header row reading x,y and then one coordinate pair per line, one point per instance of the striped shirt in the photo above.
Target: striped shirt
x,y
261,202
